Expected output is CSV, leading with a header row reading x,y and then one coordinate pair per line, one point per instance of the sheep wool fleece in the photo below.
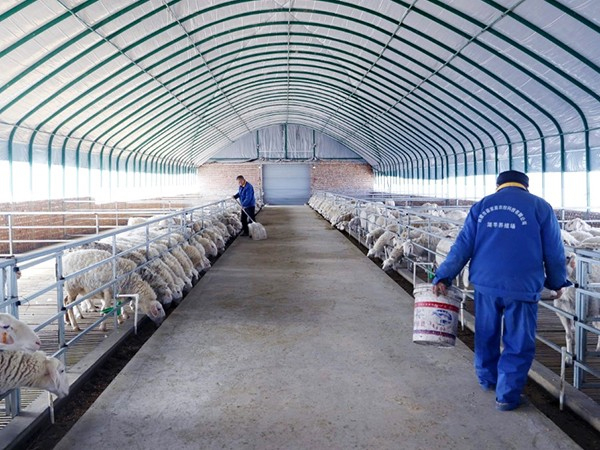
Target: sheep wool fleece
x,y
513,240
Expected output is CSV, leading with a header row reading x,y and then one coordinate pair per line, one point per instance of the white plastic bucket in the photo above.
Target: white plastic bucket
x,y
436,318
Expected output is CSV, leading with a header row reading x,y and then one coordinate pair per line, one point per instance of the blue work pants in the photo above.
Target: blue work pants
x,y
507,369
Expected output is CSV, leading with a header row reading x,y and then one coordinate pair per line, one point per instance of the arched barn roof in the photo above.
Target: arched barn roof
x,y
418,88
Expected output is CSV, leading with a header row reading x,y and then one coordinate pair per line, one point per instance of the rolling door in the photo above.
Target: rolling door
x,y
287,184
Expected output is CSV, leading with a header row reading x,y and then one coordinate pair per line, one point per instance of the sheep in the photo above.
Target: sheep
x,y
222,229
158,249
457,215
173,264
185,261
577,224
424,243
17,335
35,370
372,236
568,239
395,257
441,252
197,247
379,247
163,291
591,242
136,221
394,227
161,268
353,224
372,223
174,283
580,235
381,221
214,236
196,255
193,254
209,247
566,302
103,275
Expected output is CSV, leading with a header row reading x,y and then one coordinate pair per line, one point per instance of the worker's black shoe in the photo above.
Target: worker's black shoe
x,y
510,406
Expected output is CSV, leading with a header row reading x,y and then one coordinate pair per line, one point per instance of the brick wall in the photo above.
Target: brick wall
x,y
217,180
342,177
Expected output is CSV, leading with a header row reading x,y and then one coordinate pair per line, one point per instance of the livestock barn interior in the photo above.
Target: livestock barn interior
x,y
367,129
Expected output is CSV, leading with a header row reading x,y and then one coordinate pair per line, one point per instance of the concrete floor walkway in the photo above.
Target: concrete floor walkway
x,y
300,342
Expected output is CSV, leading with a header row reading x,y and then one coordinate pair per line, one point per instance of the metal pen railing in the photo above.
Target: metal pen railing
x,y
177,222
417,216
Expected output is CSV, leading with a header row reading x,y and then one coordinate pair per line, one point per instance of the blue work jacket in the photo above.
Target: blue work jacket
x,y
246,195
513,240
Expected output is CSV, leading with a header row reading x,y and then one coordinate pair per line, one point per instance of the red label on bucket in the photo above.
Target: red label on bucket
x,y
436,305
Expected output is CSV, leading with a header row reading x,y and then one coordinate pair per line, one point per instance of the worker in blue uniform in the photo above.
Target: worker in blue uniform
x,y
246,196
512,239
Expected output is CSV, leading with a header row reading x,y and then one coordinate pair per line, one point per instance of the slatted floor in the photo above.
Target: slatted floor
x,y
37,311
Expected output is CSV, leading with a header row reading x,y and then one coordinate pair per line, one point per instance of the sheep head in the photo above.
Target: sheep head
x,y
55,379
17,335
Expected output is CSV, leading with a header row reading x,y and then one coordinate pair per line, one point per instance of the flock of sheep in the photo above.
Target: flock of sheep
x,y
157,264
426,234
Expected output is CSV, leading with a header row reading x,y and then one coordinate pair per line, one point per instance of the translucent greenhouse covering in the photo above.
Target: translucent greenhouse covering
x,y
286,142
437,95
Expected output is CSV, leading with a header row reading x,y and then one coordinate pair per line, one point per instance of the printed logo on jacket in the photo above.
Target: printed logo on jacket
x,y
520,217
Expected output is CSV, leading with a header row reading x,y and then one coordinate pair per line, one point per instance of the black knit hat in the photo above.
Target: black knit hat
x,y
513,176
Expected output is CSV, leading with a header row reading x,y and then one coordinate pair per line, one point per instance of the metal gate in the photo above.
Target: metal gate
x,y
286,184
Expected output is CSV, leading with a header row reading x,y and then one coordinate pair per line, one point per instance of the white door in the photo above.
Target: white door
x,y
286,184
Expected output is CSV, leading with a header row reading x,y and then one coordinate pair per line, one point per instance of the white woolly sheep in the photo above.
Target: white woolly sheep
x,y
17,335
136,221
222,229
457,215
185,261
158,249
378,249
568,239
577,224
195,255
103,275
35,370
580,235
209,246
394,258
214,236
591,243
163,291
372,236
441,252
173,264
566,302
174,283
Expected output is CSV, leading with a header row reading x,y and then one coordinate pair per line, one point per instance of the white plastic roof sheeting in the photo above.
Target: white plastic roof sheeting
x,y
425,88
285,143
